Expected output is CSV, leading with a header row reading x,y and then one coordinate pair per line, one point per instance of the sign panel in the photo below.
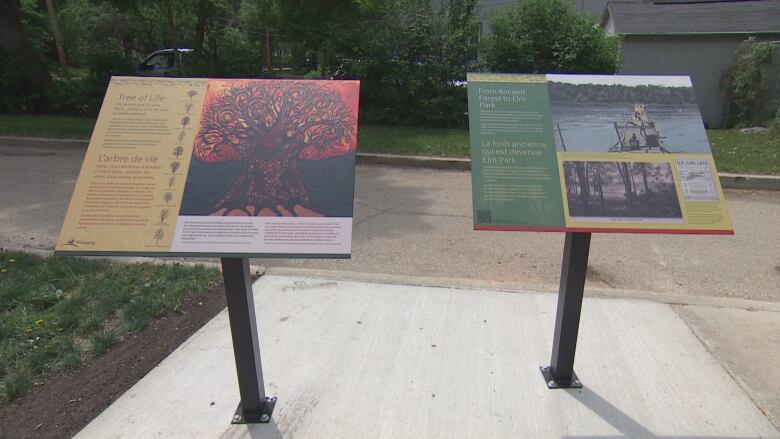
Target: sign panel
x,y
183,167
590,153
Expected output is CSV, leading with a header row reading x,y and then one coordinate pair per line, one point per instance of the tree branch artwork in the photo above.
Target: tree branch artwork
x,y
158,236
164,215
270,126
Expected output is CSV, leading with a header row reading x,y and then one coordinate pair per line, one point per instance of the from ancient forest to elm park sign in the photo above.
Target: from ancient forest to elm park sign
x,y
184,167
590,153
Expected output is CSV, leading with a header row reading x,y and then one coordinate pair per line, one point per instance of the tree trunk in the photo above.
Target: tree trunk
x,y
584,192
268,49
55,31
624,174
267,183
601,191
18,51
200,26
169,18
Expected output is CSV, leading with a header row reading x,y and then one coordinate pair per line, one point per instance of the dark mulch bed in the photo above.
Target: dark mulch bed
x,y
59,406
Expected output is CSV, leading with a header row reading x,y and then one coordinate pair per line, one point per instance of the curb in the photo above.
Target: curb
x,y
408,161
42,142
747,181
727,181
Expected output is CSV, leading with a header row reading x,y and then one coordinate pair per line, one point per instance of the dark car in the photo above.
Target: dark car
x,y
165,62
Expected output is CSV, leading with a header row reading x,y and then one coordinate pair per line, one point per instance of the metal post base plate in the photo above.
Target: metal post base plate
x,y
263,417
552,383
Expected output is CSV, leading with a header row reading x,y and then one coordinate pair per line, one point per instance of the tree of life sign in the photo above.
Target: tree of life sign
x,y
221,168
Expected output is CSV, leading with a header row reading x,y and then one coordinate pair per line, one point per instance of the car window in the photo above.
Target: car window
x,y
160,61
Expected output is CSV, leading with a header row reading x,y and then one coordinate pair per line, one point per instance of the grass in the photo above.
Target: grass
x,y
54,312
757,153
56,127
733,151
414,141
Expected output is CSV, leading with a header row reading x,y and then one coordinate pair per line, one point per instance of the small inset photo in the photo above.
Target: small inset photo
x,y
621,191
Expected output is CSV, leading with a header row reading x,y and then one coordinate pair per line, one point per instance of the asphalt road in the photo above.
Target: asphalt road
x,y
417,222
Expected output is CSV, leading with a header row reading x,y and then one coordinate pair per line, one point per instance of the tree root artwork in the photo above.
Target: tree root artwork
x,y
270,126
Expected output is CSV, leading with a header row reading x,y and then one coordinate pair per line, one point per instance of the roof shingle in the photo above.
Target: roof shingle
x,y
757,16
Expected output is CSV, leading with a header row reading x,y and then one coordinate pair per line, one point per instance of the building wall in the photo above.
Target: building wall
x,y
703,57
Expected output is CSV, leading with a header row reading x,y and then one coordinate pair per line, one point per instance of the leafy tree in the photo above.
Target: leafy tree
x,y
546,36
316,31
410,59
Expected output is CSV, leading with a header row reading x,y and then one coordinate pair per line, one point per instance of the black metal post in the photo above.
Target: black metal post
x,y
560,372
255,406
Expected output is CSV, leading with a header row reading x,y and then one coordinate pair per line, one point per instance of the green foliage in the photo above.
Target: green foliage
x,y
747,83
548,36
410,61
16,384
317,33
239,58
20,94
103,340
36,24
48,304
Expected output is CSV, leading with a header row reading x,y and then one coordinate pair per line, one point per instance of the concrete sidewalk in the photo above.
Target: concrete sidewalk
x,y
358,359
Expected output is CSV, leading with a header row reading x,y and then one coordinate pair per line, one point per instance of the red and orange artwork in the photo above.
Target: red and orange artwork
x,y
270,125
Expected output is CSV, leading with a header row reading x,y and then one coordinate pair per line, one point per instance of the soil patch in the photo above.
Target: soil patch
x,y
60,406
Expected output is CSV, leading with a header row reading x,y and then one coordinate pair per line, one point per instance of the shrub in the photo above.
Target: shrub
x,y
410,63
748,85
548,36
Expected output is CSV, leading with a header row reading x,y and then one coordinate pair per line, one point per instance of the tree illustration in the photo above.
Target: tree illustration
x,y
270,126
171,181
188,107
175,167
167,198
182,135
163,215
191,94
178,151
158,236
185,121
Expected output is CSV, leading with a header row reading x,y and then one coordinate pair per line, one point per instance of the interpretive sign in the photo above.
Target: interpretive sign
x,y
218,167
588,153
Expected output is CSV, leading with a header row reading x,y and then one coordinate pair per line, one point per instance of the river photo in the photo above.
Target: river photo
x,y
622,114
